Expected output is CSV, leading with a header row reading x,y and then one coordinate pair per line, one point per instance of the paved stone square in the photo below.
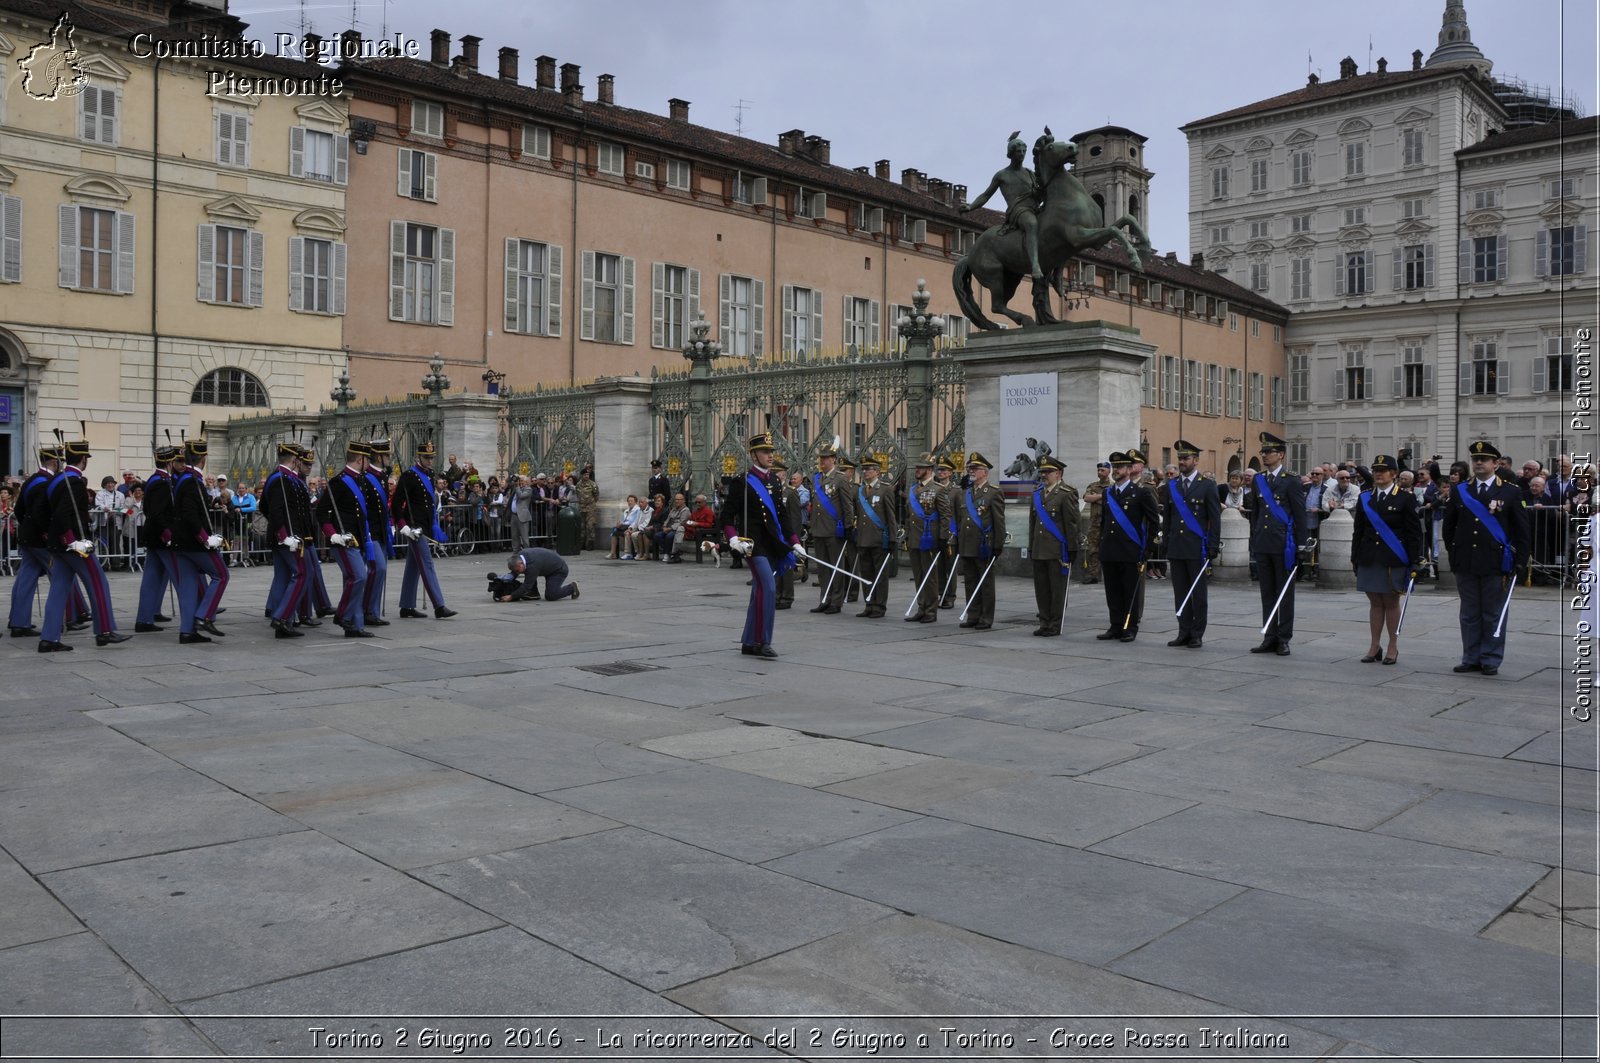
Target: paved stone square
x,y
1059,839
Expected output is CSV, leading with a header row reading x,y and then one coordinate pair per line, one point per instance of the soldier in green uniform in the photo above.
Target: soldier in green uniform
x,y
876,528
788,502
1095,497
980,535
833,514
589,507
949,492
925,529
847,557
1052,534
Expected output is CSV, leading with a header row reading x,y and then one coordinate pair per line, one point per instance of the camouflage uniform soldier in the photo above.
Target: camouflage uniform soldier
x,y
589,507
1095,497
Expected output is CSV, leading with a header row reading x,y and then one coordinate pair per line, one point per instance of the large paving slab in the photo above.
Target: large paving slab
x,y
918,787
998,884
538,758
823,716
29,913
1527,830
1054,809
1007,746
653,910
208,920
1384,722
1523,780
1559,915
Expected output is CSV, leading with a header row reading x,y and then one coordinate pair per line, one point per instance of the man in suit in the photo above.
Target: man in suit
x,y
833,514
1486,532
1052,534
535,561
1128,523
521,513
343,513
876,525
980,536
286,501
1193,534
1278,542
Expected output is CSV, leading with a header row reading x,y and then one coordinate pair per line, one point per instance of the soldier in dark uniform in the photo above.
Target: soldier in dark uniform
x,y
1193,534
1486,531
155,535
342,511
1127,526
32,515
1152,553
1276,510
70,541
926,527
1052,536
788,501
1386,549
202,571
416,513
286,501
849,556
380,546
877,529
980,536
755,528
949,495
833,514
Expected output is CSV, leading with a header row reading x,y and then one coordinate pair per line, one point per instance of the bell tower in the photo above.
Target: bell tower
x,y
1111,166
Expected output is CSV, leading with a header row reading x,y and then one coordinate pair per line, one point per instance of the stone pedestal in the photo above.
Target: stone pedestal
x,y
624,437
471,429
1333,550
1233,563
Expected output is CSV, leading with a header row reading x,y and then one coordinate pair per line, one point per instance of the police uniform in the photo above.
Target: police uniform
x,y
1128,523
949,493
201,570
416,513
380,547
788,501
1192,532
877,528
1276,510
1486,532
980,536
155,536
286,501
833,514
1052,536
926,528
70,542
1379,568
32,516
754,518
342,511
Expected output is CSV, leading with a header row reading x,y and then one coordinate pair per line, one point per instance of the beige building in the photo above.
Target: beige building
x,y
171,253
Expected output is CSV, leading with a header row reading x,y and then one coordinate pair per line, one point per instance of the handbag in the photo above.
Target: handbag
x,y
258,524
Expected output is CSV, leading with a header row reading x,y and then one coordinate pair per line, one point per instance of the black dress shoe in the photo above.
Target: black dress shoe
x,y
834,609
376,621
915,618
984,625
210,628
78,625
46,646
24,633
357,633
413,614
820,609
1107,636
1467,668
1040,632
864,612
442,613
928,619
1487,669
969,623
1181,640
310,621
766,650
748,651
282,630
145,629
186,639
1283,649
783,605
1195,642
1128,636
320,612
167,619
948,603
1267,646
110,638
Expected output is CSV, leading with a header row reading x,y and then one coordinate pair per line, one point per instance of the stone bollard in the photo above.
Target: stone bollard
x,y
1234,562
1333,553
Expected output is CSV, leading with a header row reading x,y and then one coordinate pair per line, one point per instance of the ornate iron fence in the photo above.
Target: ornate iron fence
x,y
549,431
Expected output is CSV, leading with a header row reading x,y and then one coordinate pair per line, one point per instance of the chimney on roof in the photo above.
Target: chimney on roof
x,y
862,170
819,150
1172,256
880,170
1383,65
545,72
441,48
571,87
1416,59
939,189
1199,260
1347,68
469,52
607,93
1311,79
789,143
678,110
914,179
312,46
508,64
350,43
958,193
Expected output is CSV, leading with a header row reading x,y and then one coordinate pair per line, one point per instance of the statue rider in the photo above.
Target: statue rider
x,y
1020,189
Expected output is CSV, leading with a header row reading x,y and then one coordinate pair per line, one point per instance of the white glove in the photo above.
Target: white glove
x,y
213,542
410,534
292,542
81,547
741,546
799,551
339,540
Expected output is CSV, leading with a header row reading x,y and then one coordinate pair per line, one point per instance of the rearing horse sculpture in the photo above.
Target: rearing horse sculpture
x,y
1070,221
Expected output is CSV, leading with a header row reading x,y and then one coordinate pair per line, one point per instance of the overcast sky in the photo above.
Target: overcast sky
x,y
937,85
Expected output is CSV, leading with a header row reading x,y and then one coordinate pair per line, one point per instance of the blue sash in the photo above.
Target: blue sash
x,y
972,511
383,498
433,496
827,507
926,542
760,488
1053,528
1186,515
1120,515
1264,491
872,515
64,474
370,549
1381,526
1487,521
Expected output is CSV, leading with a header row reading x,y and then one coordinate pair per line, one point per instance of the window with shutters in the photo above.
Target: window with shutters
x,y
1260,274
1486,199
802,322
421,274
1220,234
1561,188
230,265
612,158
956,330
1299,378
1258,175
1561,251
1489,375
231,138
1219,182
1300,170
1412,145
10,239
1233,322
1194,396
317,275
607,297
861,326
1355,274
532,284
1552,371
1355,159
318,155
1355,216
1150,389
1299,223
1279,399
1415,267
1352,451
1214,390
1236,393
742,315
744,188
1299,454
1487,261
98,109
1258,396
1300,277
1415,375
419,175
229,387
1414,207
1171,382
679,174
1352,381
674,305
96,249
427,119
1261,229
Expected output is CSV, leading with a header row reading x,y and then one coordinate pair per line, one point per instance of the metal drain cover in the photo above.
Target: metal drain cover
x,y
619,668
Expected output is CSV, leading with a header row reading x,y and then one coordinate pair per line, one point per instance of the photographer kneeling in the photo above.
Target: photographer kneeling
x,y
530,564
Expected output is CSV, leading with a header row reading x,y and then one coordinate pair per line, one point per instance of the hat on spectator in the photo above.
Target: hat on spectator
x,y
1482,448
222,479
1383,463
1137,455
1117,457
977,461
1050,461
1185,449
759,441
1270,443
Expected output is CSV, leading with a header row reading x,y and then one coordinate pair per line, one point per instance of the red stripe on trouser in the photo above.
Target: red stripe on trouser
x,y
296,589
430,581
343,557
219,583
100,592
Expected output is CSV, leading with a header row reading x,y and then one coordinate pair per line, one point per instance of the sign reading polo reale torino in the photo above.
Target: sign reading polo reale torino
x,y
1027,425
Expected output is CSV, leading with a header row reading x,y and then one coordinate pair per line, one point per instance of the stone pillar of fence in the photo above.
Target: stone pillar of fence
x,y
624,437
1334,538
1233,563
470,427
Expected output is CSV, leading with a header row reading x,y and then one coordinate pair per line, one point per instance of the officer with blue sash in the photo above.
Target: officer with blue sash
x,y
155,535
416,513
1277,513
202,571
949,495
925,539
1486,532
380,546
832,516
980,536
1129,523
32,515
848,555
1052,542
1385,550
754,525
343,513
1193,535
71,542
286,501
877,529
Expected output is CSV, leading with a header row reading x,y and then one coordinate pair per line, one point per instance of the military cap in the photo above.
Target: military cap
x,y
1482,448
759,441
288,449
166,454
975,460
1135,454
49,453
196,447
949,461
869,458
426,449
357,449
924,461
75,450
380,448
1270,442
845,462
1184,448
826,450
1117,457
657,463
1383,463
778,462
1050,461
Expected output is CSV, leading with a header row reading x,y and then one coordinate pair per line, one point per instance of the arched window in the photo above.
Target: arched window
x,y
229,387
1100,201
1133,207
